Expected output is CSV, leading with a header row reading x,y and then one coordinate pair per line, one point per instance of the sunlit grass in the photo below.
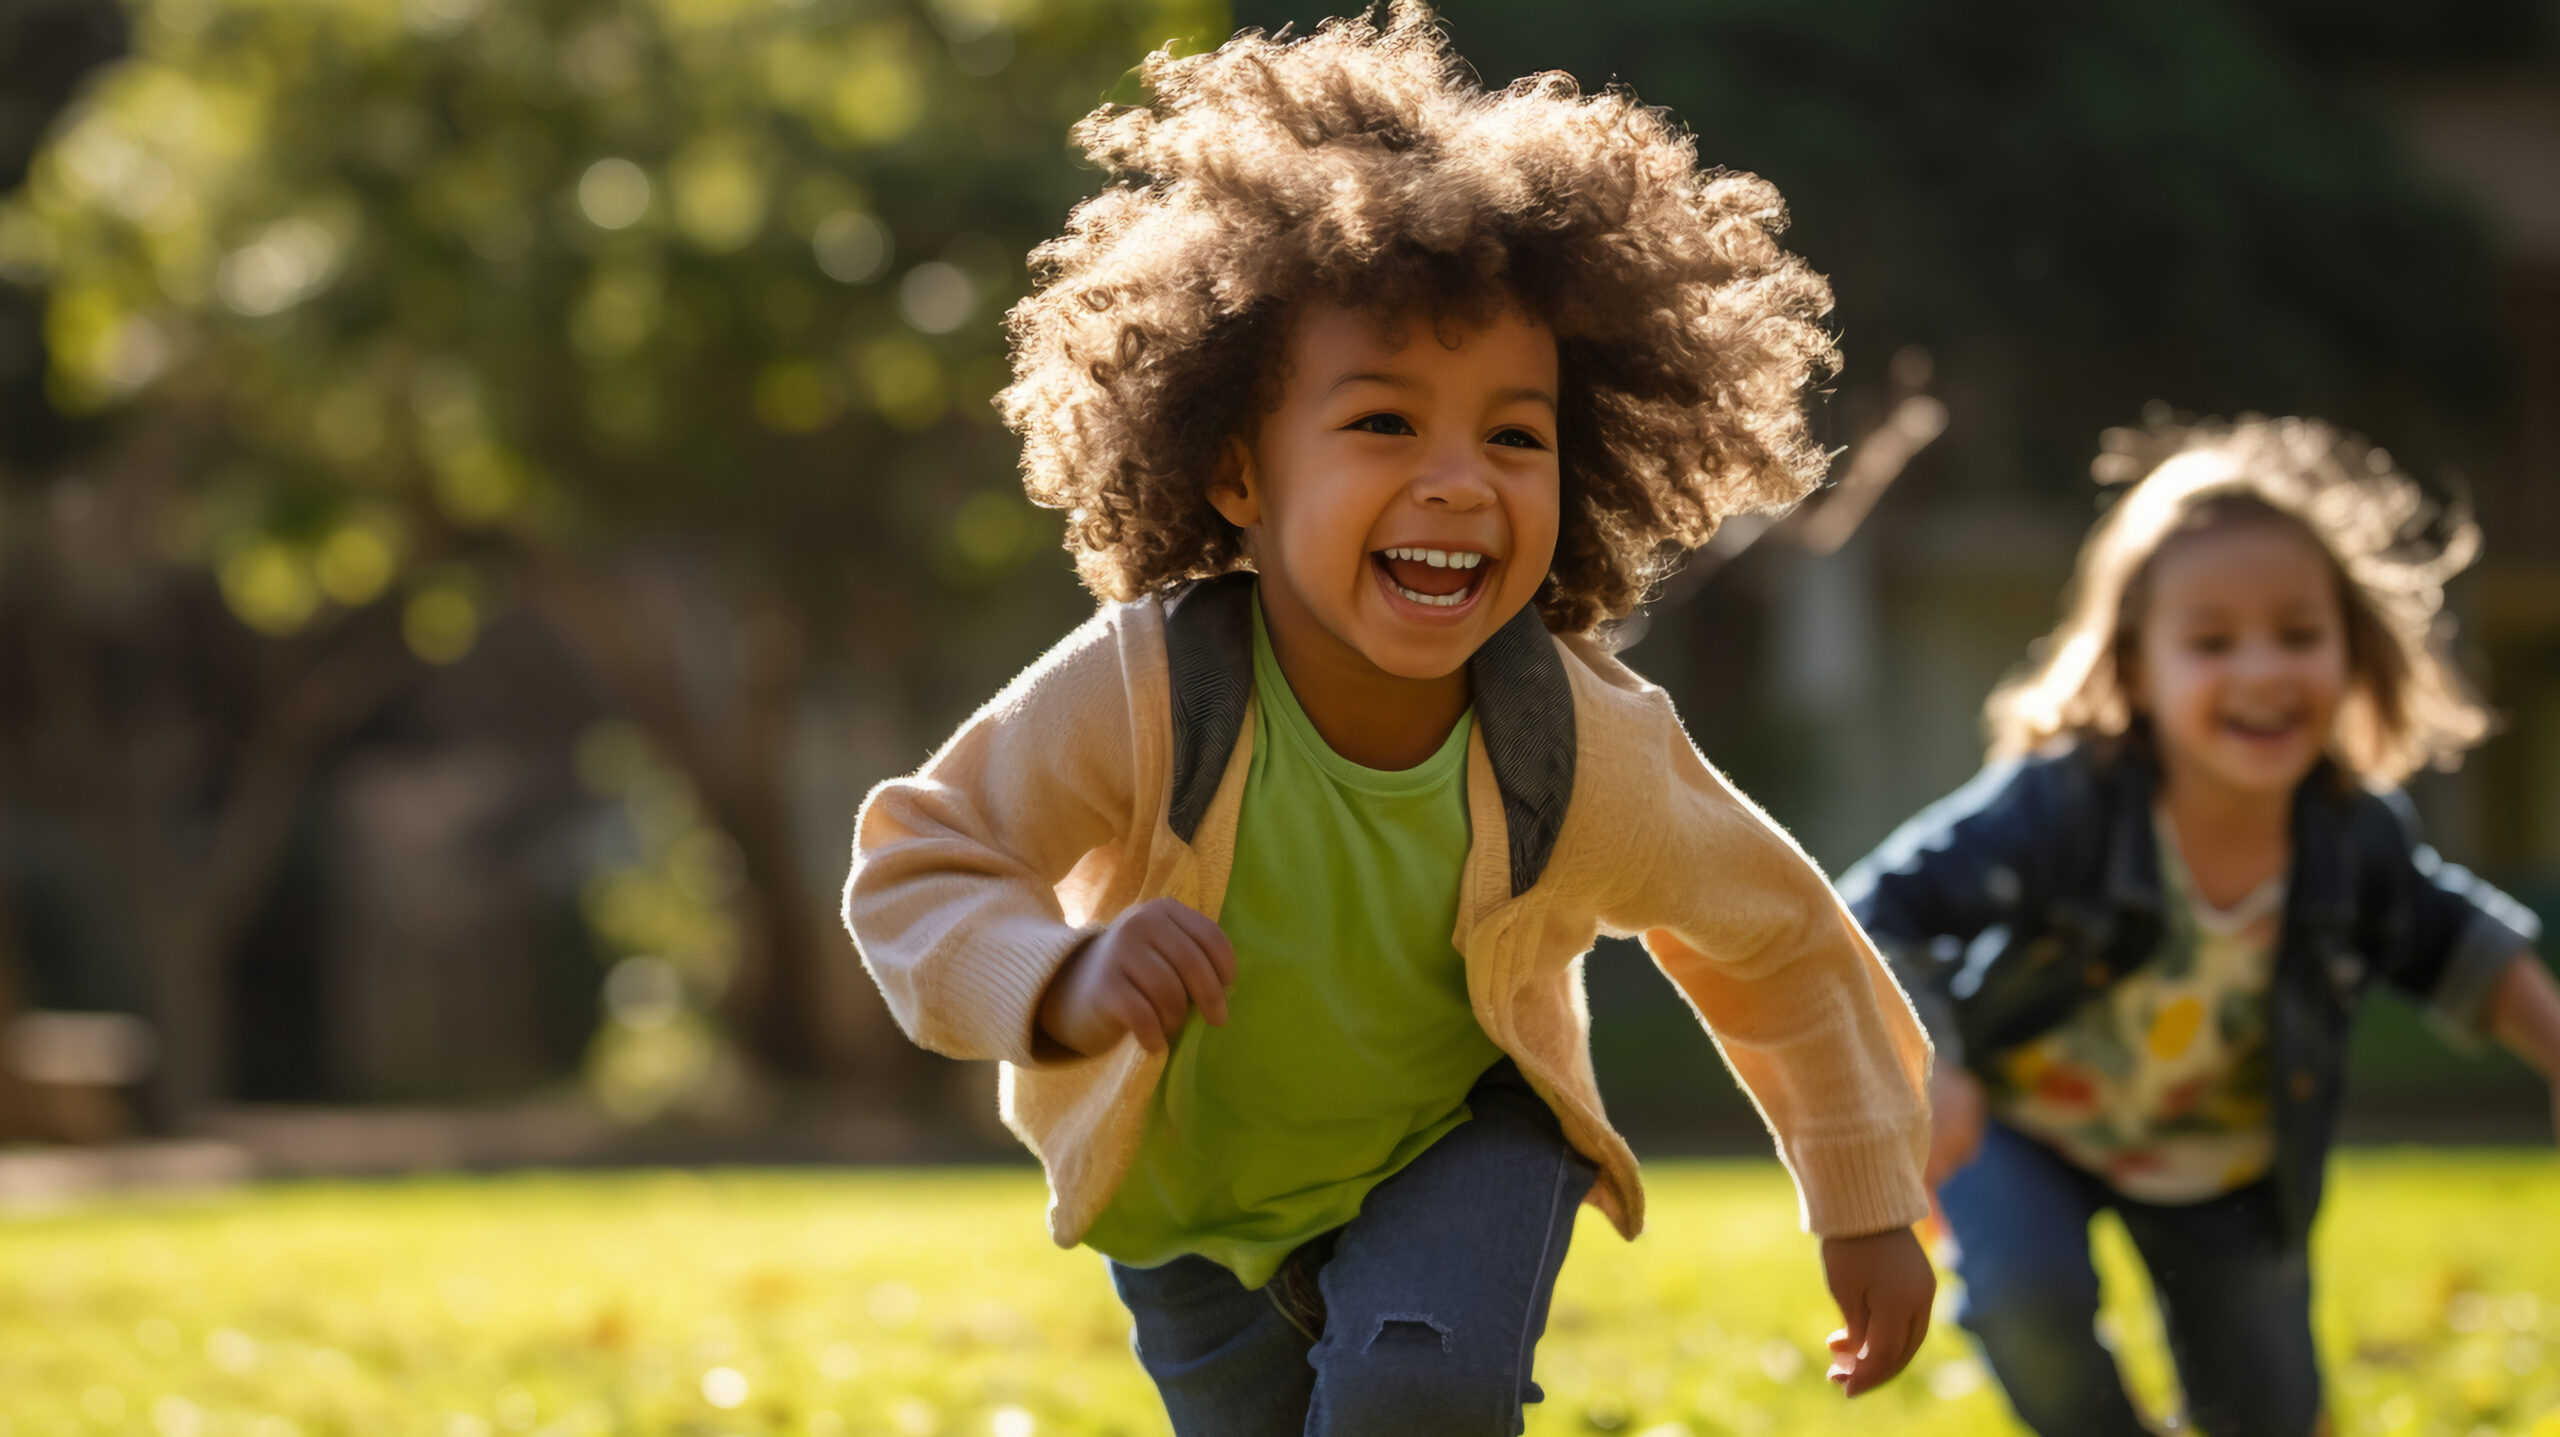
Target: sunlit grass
x,y
926,1303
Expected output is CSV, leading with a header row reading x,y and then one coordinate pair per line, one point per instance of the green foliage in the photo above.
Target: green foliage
x,y
2076,208
454,276
929,1304
662,913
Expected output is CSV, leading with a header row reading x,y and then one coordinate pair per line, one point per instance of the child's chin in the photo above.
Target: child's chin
x,y
1423,657
2255,767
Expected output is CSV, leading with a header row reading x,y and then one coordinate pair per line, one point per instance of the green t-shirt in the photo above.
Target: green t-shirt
x,y
1350,1043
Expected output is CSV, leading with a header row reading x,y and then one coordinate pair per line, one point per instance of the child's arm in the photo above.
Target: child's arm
x,y
2441,935
2524,1014
1960,868
953,896
1812,1023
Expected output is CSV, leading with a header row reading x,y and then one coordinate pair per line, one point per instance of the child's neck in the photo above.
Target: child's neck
x,y
2231,840
1369,716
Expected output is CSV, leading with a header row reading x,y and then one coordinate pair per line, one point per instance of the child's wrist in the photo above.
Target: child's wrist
x,y
1050,1019
1866,1237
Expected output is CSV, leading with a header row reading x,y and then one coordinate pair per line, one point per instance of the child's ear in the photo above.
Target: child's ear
x,y
1235,486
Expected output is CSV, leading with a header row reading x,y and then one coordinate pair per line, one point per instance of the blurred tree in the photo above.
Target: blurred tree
x,y
2072,210
672,321
46,46
2079,208
2376,36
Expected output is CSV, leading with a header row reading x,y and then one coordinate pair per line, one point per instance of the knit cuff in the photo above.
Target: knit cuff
x,y
997,993
1850,1187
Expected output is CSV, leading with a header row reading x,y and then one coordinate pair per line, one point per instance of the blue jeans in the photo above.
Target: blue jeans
x,y
2236,1303
1420,1315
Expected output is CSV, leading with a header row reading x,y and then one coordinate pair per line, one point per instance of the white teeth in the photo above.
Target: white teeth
x,y
1437,558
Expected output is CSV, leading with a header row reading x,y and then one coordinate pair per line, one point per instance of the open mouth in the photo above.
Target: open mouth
x,y
2262,730
1442,580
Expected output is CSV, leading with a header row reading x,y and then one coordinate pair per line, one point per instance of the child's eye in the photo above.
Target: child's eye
x,y
2209,644
1518,439
1380,424
2301,638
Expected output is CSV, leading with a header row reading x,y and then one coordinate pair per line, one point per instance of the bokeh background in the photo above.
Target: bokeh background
x,y
485,485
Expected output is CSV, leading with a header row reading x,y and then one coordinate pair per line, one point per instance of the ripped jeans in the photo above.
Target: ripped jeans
x,y
1420,1315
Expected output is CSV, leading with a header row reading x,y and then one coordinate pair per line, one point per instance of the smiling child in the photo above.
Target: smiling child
x,y
1371,397
2142,934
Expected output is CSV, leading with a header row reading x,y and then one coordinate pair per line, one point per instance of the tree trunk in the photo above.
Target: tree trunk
x,y
123,766
18,1117
735,744
780,1005
205,906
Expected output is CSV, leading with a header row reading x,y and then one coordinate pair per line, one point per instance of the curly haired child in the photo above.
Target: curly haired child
x,y
1370,396
2140,936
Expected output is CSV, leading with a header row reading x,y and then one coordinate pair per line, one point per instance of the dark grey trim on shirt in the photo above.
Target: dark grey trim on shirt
x,y
1208,650
1523,707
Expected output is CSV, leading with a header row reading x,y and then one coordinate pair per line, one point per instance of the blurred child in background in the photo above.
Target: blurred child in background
x,y
2139,937
1370,396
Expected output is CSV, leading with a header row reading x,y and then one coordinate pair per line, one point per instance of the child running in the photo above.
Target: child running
x,y
1370,396
2140,936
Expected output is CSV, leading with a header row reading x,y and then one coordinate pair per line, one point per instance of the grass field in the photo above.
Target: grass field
x,y
921,1303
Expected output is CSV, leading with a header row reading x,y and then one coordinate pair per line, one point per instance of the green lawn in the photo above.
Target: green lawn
x,y
923,1303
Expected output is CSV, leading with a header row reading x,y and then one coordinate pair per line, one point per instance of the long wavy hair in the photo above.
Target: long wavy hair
x,y
2391,546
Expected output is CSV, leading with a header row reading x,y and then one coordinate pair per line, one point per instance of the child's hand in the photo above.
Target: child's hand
x,y
1955,1123
1141,975
1884,1286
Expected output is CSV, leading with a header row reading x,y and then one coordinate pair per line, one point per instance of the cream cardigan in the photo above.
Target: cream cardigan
x,y
1047,814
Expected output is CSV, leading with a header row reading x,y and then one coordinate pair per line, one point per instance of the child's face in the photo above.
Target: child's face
x,y
2242,657
1400,500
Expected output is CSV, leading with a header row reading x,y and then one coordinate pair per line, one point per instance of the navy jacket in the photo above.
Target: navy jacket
x,y
2007,904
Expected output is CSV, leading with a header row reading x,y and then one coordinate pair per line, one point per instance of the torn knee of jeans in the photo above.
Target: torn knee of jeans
x,y
1401,1328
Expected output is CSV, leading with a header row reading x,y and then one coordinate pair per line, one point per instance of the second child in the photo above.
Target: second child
x,y
2140,937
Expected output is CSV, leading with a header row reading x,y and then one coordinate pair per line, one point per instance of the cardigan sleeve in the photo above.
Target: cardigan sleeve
x,y
1801,1006
953,896
1964,867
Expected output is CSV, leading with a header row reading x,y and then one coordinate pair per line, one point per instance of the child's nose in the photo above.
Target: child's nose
x,y
2266,661
1455,476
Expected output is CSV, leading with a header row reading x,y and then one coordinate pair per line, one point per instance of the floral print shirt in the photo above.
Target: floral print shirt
x,y
2159,1084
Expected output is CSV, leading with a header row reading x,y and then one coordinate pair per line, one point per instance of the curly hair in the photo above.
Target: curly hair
x,y
2392,548
1365,165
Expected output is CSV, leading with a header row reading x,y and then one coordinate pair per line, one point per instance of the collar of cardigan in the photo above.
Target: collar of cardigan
x,y
1523,706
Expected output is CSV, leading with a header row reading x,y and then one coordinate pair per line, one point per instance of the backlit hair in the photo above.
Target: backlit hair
x,y
1365,165
2390,545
